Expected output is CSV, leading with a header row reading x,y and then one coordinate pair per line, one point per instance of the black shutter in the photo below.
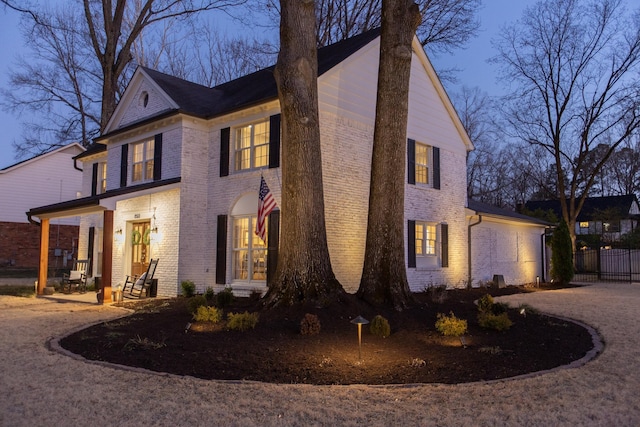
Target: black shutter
x,y
225,135
273,239
94,179
274,141
157,158
411,243
411,161
124,159
444,237
92,234
436,168
221,250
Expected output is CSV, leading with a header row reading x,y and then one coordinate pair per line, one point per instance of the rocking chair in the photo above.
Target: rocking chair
x,y
138,286
76,280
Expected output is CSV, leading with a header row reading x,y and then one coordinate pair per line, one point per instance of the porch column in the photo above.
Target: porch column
x,y
44,255
107,256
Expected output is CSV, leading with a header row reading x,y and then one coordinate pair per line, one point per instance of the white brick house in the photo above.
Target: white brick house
x,y
179,166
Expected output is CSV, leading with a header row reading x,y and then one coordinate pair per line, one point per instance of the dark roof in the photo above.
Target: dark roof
x,y
593,206
93,148
484,208
254,88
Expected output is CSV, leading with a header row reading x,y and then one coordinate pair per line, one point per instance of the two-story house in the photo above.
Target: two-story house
x,y
176,174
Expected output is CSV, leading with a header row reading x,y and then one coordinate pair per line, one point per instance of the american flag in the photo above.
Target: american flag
x,y
266,203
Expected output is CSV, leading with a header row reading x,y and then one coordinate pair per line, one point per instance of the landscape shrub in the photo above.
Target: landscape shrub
x,y
493,315
485,303
498,322
310,324
209,294
195,302
380,327
450,326
561,254
242,321
224,298
188,288
437,293
207,314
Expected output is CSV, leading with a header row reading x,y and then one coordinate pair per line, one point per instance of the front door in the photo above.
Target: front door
x,y
140,235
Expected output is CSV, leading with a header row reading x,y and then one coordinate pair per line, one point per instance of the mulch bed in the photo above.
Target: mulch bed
x,y
156,337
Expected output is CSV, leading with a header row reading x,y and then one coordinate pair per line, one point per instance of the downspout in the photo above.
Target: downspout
x,y
75,165
469,248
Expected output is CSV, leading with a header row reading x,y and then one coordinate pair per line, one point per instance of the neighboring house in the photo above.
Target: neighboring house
x,y
176,173
506,243
48,178
608,217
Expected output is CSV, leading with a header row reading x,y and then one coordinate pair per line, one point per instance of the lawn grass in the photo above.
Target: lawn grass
x,y
27,291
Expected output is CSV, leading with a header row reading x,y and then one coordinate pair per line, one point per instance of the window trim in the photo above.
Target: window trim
x,y
252,147
251,249
147,163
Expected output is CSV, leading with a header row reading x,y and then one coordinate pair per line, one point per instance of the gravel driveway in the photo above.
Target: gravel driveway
x,y
39,386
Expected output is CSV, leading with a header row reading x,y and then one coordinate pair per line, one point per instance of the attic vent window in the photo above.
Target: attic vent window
x,y
144,99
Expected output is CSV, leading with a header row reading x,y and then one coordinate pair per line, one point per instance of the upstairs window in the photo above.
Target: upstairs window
x,y
252,146
423,164
142,159
101,185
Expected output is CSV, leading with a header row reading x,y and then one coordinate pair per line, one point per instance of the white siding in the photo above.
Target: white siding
x,y
44,180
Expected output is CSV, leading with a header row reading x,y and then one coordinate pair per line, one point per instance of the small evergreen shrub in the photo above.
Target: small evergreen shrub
x,y
188,288
380,327
224,298
485,303
310,324
209,294
195,302
242,321
493,315
498,322
437,293
450,326
207,314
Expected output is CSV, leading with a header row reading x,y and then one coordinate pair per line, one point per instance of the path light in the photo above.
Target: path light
x,y
360,321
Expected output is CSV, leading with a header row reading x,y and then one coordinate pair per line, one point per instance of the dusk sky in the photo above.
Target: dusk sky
x,y
472,61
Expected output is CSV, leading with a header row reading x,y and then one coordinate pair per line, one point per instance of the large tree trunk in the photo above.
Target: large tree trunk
x,y
384,275
304,269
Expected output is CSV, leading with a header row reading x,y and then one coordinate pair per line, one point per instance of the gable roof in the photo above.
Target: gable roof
x,y
625,206
74,145
254,88
494,211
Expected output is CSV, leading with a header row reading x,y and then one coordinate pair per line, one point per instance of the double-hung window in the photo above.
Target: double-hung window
x,y
423,164
249,251
142,161
252,146
426,237
428,244
102,178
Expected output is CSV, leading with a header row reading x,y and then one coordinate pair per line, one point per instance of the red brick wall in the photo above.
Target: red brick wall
x,y
20,244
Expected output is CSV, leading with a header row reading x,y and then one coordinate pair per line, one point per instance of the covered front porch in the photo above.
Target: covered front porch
x,y
74,208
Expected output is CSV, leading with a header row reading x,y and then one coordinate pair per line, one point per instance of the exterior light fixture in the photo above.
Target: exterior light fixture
x,y
118,231
360,321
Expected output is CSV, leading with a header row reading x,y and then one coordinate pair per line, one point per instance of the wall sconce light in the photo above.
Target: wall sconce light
x,y
118,231
154,230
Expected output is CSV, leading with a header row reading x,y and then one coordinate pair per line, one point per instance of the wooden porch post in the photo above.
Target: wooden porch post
x,y
107,254
44,255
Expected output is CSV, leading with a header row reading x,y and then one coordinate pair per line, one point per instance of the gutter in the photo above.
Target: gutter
x,y
75,165
469,248
31,220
